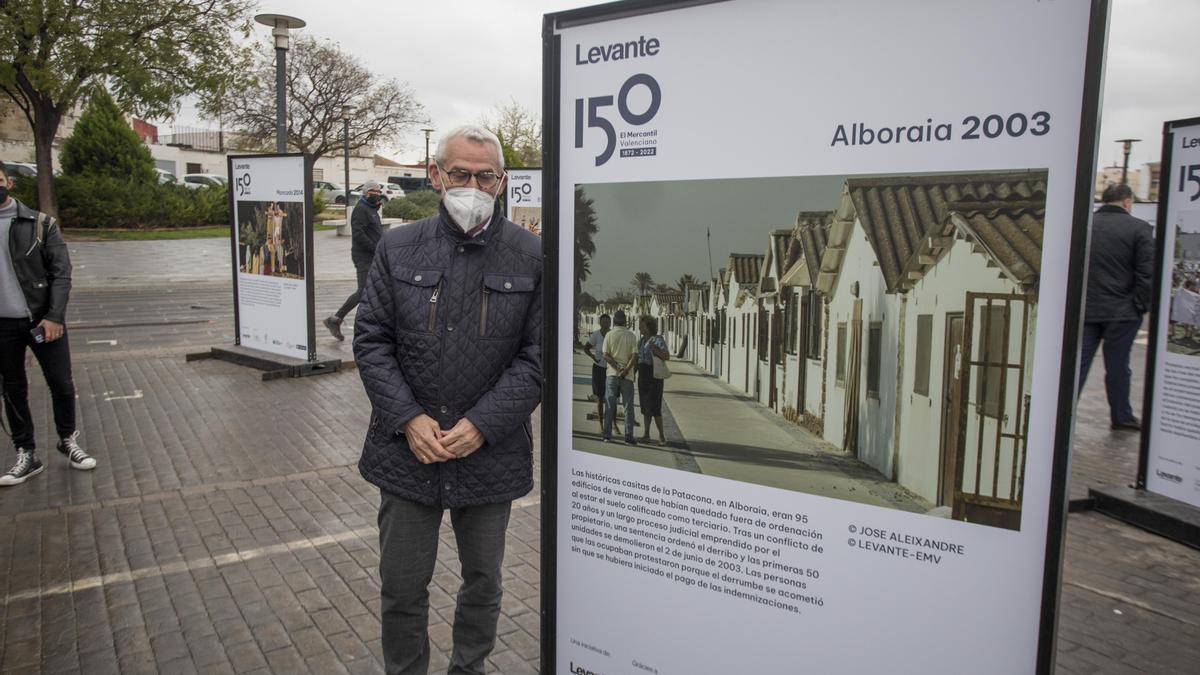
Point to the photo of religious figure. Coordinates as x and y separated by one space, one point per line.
529 217
271 238
864 338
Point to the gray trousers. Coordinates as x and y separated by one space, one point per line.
408 543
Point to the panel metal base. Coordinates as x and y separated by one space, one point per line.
273 366
1168 517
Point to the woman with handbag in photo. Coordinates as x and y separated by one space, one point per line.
652 370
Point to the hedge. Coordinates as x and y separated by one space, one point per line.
111 202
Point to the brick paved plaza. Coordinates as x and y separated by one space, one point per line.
226 529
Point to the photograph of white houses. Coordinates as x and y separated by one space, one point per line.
1183 327
867 338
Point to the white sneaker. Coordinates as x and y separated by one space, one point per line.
79 459
27 466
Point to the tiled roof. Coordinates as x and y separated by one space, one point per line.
812 234
1010 233
745 267
780 239
900 214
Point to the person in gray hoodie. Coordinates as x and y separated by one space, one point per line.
35 283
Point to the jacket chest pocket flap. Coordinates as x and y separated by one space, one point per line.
416 293
505 300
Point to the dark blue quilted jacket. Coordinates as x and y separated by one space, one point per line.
451 327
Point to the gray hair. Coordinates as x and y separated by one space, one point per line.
475 134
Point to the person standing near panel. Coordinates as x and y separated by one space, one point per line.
448 341
1120 283
35 283
595 349
366 229
620 353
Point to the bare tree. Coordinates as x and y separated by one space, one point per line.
520 133
321 78
147 53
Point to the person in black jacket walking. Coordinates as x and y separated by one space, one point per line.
366 229
448 344
35 282
1120 283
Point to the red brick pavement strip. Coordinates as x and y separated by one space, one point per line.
227 530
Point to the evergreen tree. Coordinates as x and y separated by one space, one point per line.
103 144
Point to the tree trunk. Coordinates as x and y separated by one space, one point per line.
45 125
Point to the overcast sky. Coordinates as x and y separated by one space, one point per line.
464 58
739 214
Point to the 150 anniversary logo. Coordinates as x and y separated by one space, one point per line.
637 102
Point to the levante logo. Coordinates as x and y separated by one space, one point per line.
580 670
1174 478
242 182
637 101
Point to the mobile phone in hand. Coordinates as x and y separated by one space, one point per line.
39 335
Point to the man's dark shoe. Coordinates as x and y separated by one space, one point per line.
630 440
27 466
1131 424
334 325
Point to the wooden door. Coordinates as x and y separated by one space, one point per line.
951 407
804 329
853 380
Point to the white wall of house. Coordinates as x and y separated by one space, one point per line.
940 293
876 416
788 376
742 359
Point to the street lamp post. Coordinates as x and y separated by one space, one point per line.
346 110
280 25
427 132
1127 144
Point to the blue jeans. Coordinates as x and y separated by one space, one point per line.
408 544
613 387
1117 337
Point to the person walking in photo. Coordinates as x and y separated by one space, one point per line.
448 345
366 229
595 349
650 388
35 283
1120 283
620 353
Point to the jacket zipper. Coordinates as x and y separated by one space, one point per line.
37 233
433 307
484 312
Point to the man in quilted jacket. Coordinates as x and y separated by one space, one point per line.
448 344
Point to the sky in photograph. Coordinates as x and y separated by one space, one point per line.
739 213
463 59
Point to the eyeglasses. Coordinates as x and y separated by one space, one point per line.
484 179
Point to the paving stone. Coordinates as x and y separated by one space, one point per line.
271 636
174 488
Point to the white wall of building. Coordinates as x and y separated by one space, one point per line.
876 417
942 292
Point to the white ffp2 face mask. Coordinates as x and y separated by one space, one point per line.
468 207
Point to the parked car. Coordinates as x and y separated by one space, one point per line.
16 169
389 190
199 180
411 183
165 176
334 193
